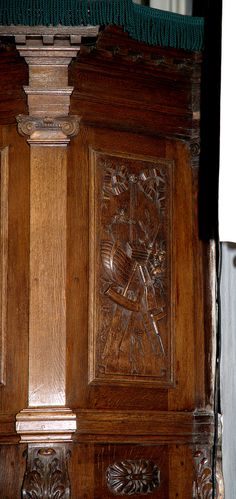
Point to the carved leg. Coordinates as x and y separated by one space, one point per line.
46 472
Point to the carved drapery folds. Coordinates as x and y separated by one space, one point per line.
46 475
133 477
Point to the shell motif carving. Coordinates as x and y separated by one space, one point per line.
46 474
133 477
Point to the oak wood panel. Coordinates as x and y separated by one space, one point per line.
153 94
80 394
188 345
14 75
14 394
12 467
122 84
4 190
183 395
81 471
181 471
146 426
47 319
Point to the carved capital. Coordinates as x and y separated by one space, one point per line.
133 477
46 473
48 130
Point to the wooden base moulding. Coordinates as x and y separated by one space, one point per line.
46 424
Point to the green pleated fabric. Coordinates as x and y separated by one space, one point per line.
145 24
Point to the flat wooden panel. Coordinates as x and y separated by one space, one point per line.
182 397
4 187
181 471
12 467
14 394
81 471
14 74
47 320
130 269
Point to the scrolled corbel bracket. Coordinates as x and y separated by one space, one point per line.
46 472
48 131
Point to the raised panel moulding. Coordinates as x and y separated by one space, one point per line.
4 182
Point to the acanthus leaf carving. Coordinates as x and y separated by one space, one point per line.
46 475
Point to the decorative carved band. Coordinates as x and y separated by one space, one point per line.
46 474
133 477
48 130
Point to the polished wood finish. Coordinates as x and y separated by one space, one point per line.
47 320
4 188
85 244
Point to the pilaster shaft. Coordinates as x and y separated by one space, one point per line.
48 129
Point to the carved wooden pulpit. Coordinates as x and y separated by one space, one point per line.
107 292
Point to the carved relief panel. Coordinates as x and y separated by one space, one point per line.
130 281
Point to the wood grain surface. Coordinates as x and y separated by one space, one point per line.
139 106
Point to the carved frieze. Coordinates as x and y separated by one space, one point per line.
133 477
132 217
46 474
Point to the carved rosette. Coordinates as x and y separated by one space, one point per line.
203 485
46 475
133 477
48 130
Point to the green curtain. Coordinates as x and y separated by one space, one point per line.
152 26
